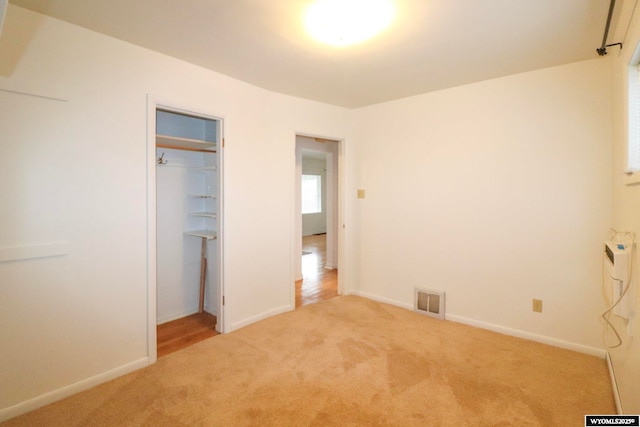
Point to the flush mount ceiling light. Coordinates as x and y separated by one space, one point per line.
346 22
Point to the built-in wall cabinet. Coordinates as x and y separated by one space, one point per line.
187 222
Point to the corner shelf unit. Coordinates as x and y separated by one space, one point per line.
205 169
211 215
208 234
205 234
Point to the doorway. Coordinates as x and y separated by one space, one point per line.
317 212
185 228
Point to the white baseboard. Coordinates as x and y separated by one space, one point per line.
261 316
382 299
614 385
592 351
211 310
567 345
187 313
176 316
61 393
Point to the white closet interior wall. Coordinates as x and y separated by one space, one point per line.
178 264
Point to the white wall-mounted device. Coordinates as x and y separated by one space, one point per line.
617 258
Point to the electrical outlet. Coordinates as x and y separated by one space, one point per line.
537 305
360 194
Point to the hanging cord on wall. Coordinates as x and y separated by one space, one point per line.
602 50
617 236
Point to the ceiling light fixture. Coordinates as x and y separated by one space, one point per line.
347 22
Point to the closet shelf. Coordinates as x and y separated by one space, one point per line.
205 234
204 214
204 169
202 196
166 141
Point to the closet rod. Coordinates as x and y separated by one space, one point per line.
602 50
175 147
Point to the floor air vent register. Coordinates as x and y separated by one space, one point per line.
429 302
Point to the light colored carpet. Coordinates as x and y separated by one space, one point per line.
348 361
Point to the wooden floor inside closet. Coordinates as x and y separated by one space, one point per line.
181 333
319 284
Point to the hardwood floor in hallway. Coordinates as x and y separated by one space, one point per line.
318 283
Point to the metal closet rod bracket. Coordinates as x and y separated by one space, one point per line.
602 50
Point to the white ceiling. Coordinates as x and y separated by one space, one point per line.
432 44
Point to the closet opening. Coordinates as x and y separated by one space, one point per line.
188 210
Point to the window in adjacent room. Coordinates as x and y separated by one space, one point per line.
311 194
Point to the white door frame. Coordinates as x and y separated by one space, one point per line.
335 228
152 105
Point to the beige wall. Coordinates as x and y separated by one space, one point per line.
497 193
